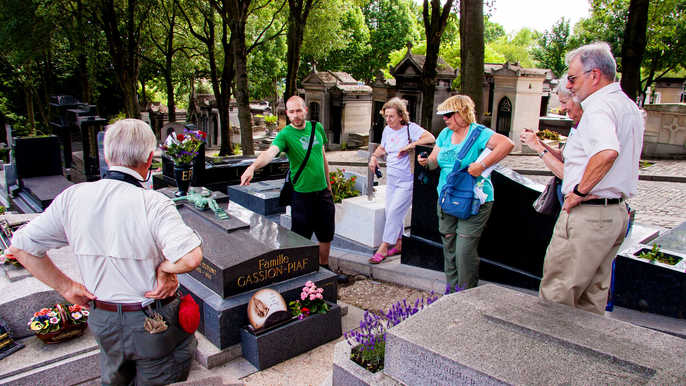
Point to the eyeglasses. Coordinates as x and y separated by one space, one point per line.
448 115
572 78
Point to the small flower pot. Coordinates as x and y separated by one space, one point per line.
183 173
292 339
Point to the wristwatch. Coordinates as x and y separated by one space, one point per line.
541 154
577 192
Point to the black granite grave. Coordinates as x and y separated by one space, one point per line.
261 197
241 255
514 227
653 287
217 175
39 172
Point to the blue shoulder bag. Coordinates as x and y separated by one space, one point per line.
457 196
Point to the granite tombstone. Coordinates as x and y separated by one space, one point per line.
242 254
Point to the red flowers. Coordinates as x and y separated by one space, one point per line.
202 134
180 137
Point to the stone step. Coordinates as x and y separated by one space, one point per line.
68 363
494 335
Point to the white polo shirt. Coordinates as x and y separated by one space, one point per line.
120 233
610 121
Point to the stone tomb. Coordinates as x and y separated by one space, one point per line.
654 286
241 255
261 197
494 335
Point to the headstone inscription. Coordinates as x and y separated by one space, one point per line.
494 335
514 195
241 254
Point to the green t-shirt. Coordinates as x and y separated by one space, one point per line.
294 143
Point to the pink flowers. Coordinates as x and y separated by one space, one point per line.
311 291
311 302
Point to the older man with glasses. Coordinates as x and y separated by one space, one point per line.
600 173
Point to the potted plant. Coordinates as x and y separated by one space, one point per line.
182 151
342 187
59 323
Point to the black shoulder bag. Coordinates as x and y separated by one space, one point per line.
286 196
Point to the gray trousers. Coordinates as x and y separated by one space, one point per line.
129 354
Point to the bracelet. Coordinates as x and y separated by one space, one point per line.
483 164
541 154
577 192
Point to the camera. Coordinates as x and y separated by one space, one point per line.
423 154
377 171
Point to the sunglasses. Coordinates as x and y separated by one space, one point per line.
448 115
572 78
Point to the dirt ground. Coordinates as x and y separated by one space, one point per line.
373 295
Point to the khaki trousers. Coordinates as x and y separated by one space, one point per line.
578 262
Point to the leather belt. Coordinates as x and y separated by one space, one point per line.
126 307
602 201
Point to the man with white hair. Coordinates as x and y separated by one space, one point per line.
600 173
129 244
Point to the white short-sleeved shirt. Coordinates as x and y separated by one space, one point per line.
120 233
394 140
611 121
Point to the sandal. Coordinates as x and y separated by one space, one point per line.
394 251
377 258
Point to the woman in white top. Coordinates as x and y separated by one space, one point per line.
399 137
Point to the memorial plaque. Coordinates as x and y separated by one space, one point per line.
267 308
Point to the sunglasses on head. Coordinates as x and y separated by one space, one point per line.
448 115
572 78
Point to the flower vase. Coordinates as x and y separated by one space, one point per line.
183 173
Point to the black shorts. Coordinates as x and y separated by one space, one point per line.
314 213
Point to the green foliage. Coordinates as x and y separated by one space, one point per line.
237 149
666 46
492 31
655 254
515 48
548 134
342 187
552 47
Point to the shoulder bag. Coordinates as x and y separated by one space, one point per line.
548 203
457 196
286 196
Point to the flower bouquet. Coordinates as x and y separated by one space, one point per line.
311 302
186 146
9 259
59 323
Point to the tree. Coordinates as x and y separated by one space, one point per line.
666 44
160 37
472 50
435 20
552 47
633 47
122 22
299 11
201 23
234 13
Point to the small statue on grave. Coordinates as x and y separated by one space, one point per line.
203 200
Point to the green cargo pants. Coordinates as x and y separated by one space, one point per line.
131 355
460 239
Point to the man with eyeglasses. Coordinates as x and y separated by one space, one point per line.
600 173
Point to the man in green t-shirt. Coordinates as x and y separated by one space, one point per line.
312 209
